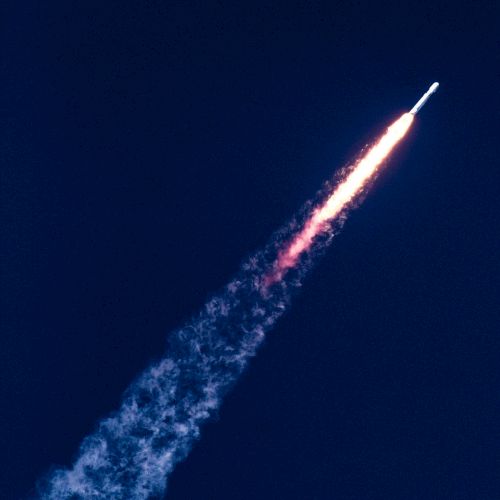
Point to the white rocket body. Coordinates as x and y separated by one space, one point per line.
424 98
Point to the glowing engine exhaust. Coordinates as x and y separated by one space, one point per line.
345 192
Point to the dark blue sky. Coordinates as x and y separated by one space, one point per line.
147 147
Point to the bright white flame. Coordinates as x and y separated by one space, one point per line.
344 193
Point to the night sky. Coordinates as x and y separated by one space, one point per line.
148 147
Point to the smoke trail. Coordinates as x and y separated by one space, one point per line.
132 452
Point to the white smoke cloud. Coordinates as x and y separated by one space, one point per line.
131 453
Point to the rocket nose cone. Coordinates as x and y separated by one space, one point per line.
434 87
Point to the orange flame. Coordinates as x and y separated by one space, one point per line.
344 193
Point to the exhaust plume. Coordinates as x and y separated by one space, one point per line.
345 192
132 452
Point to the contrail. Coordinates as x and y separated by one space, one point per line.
132 452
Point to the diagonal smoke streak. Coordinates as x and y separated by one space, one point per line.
132 452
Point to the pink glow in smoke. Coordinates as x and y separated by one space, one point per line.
345 192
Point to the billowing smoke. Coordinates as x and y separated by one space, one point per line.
132 452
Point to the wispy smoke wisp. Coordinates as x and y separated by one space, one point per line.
132 452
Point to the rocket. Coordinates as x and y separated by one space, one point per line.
424 98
